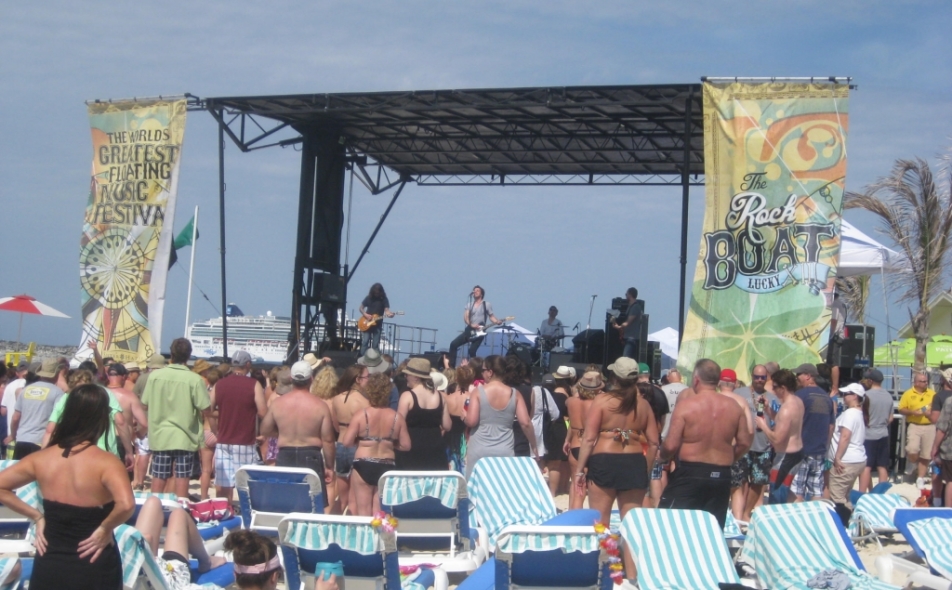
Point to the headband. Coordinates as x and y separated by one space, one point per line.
260 568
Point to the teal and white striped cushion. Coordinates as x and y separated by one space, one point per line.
509 490
676 549
398 490
934 536
141 495
787 544
520 542
731 527
30 493
132 550
6 567
358 537
877 510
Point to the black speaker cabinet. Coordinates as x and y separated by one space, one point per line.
522 351
653 354
342 358
328 288
857 347
559 359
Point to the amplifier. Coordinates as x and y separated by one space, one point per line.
857 347
328 288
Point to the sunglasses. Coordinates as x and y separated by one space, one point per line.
759 377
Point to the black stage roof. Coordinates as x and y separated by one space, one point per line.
546 135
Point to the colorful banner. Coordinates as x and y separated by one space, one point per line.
775 170
127 234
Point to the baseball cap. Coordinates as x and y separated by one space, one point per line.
49 368
284 381
301 371
643 369
23 366
624 368
854 388
117 369
240 358
156 361
874 375
729 375
807 369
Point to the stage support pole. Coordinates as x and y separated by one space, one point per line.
221 218
685 194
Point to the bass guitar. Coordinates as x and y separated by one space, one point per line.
363 324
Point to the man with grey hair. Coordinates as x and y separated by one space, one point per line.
708 433
302 424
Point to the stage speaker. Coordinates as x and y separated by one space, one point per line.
653 355
521 350
857 348
643 355
342 358
537 374
589 347
559 359
328 288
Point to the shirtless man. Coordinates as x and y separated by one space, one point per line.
726 387
133 412
708 433
784 437
302 424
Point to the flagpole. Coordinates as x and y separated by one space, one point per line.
191 269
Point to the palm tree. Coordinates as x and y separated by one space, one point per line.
917 214
855 293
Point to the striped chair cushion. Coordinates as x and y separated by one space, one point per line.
509 490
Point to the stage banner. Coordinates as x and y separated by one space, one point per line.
775 169
127 234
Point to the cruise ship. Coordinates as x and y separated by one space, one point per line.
265 337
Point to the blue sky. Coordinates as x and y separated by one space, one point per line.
530 247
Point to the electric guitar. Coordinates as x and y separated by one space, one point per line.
615 314
363 324
482 331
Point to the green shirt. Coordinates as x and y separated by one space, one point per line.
175 398
109 441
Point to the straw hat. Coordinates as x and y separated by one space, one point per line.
440 381
563 373
592 381
201 365
373 361
418 367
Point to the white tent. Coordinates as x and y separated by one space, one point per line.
862 255
668 338
497 340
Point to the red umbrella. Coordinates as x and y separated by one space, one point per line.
26 304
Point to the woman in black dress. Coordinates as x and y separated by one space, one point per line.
427 418
86 494
556 461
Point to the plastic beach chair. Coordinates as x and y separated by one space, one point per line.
433 510
139 566
677 549
550 557
788 544
268 494
873 516
929 533
507 491
368 553
213 533
880 488
14 523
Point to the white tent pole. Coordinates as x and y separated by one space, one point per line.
191 269
892 352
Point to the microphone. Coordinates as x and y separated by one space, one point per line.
577 325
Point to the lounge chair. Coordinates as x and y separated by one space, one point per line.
550 557
507 491
137 560
873 516
213 533
268 494
433 510
677 549
368 553
788 544
929 533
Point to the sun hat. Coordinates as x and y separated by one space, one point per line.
418 367
200 366
240 358
572 372
133 366
563 372
312 360
946 374
624 368
592 381
156 361
48 368
301 371
373 361
284 381
729 376
440 382
854 388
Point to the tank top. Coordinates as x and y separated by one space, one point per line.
235 397
493 434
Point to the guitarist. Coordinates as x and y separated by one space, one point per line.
630 328
477 312
375 304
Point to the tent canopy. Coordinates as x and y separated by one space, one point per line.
497 341
862 255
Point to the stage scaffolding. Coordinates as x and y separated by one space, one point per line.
649 135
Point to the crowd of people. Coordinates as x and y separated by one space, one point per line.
89 435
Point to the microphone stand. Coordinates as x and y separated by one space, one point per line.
588 326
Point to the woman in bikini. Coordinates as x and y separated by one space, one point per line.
456 397
349 401
377 432
617 465
590 385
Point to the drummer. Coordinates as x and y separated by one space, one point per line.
551 333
